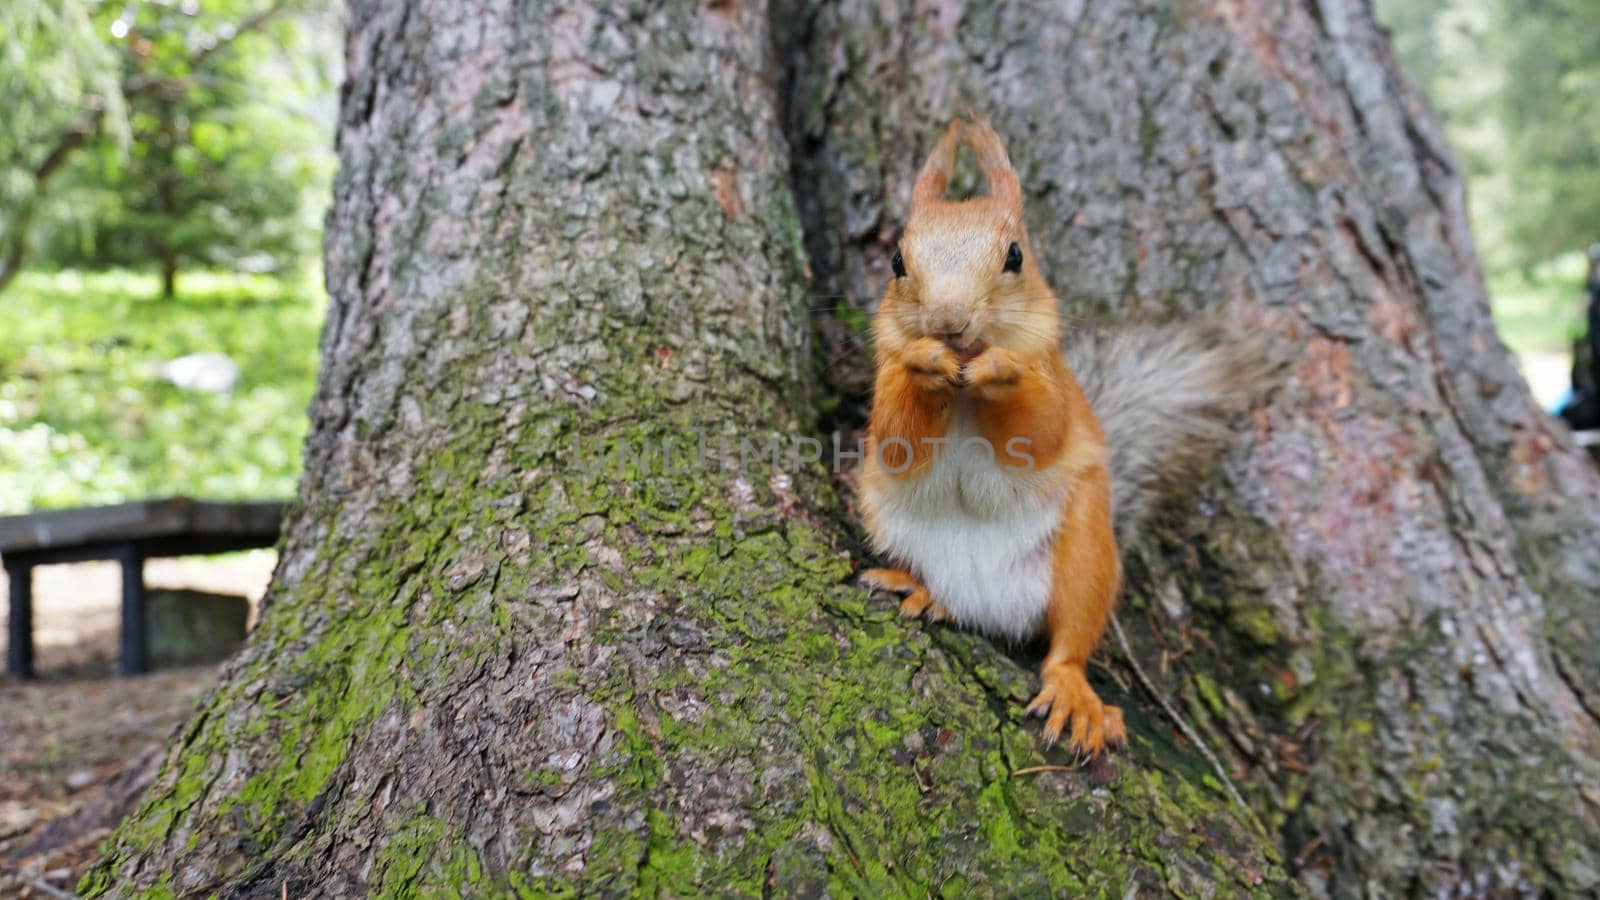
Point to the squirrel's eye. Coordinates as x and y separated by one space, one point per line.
1014 258
898 264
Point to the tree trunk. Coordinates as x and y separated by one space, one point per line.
169 274
167 206
11 260
490 664
14 233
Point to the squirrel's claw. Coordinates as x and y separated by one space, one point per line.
993 368
917 602
921 604
1065 693
932 364
1039 706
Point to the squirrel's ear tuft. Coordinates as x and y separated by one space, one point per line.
935 177
991 153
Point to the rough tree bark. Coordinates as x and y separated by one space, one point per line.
486 667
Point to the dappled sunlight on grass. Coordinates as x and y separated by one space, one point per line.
84 418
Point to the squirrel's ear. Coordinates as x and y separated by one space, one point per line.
991 154
935 177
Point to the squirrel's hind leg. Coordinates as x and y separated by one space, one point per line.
917 602
1084 589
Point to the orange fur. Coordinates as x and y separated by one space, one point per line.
917 385
959 330
917 601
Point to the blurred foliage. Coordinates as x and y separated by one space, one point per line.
1540 306
187 131
85 419
62 86
54 68
1517 85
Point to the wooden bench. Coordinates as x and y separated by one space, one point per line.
129 533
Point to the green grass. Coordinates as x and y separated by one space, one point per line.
84 418
1540 307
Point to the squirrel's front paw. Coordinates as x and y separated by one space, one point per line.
1064 693
995 368
931 364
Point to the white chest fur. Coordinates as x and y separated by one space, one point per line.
975 531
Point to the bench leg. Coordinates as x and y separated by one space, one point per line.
133 660
19 625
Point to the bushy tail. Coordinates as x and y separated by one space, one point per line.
1164 396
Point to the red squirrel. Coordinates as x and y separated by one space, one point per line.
988 481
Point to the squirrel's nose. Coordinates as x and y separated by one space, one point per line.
951 327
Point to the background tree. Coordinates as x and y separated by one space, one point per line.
1551 109
192 135
1518 86
483 663
60 80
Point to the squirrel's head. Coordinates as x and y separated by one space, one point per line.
963 272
